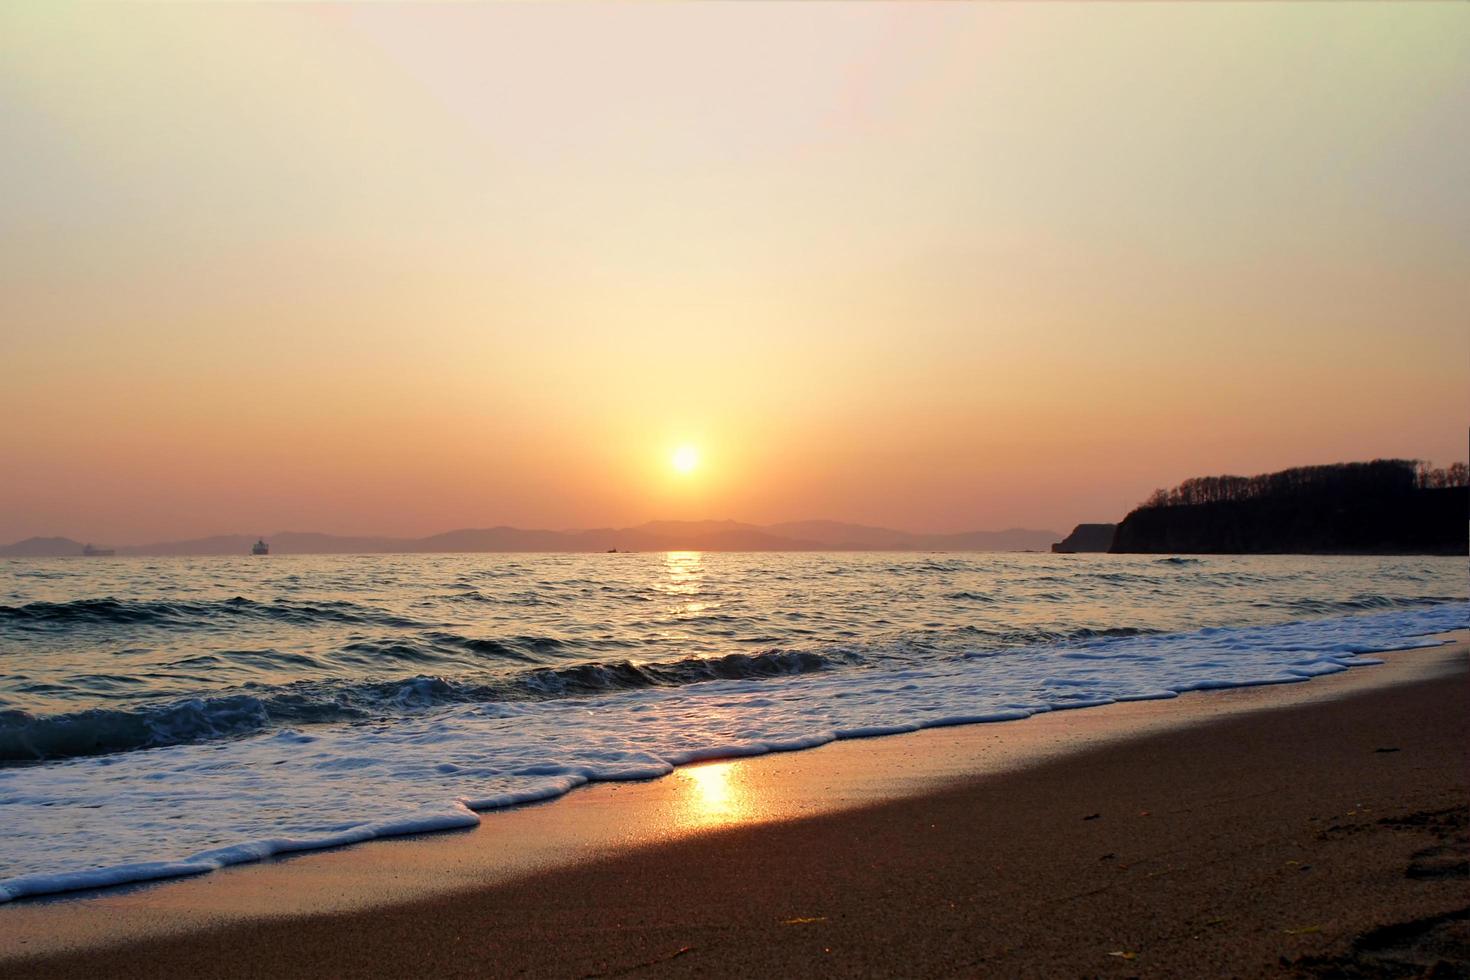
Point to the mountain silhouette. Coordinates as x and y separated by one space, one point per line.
652 536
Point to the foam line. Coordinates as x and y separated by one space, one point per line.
138 816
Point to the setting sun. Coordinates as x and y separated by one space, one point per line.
685 459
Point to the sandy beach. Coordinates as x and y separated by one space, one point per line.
1309 829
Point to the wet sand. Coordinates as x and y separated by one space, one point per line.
1316 828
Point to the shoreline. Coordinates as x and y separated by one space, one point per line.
624 737
612 822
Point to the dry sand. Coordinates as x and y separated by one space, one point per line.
1317 828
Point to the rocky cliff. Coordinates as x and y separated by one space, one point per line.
1086 537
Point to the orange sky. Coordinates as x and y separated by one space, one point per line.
386 269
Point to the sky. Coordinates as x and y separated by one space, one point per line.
395 269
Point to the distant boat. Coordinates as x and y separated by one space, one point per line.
90 552
260 548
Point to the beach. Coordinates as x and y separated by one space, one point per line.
583 490
1312 829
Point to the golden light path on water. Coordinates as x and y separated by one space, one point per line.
685 571
709 794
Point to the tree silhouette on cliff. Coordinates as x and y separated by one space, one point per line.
1384 506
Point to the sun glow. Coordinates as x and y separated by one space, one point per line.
685 459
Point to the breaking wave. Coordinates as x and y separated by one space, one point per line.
191 809
108 611
161 718
27 737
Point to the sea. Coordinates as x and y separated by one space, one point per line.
170 716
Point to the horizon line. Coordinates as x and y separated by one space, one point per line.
778 531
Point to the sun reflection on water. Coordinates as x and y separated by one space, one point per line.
686 572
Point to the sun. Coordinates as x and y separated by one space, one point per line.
685 459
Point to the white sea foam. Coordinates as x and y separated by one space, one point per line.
188 809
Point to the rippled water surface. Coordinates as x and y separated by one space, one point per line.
486 678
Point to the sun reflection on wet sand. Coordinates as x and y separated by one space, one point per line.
712 794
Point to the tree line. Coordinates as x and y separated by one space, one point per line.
1429 478
1381 477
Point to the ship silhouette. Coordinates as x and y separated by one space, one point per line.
260 548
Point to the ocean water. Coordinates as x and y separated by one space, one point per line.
170 716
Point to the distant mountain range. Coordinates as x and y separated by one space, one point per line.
654 536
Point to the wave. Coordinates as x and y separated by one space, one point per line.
101 822
1364 602
30 738
1008 641
108 611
